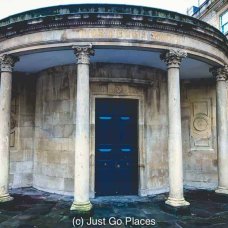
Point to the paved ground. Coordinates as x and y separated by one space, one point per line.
32 208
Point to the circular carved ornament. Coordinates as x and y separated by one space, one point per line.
200 123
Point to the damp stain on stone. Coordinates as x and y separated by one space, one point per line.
34 208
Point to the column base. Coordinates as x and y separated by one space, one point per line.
81 207
177 202
176 207
5 198
222 190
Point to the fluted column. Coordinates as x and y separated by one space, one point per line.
221 74
82 135
173 60
7 62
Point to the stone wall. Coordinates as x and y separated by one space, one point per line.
55 122
54 130
52 164
156 134
199 133
22 131
212 17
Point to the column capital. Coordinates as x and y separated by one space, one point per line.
83 53
7 62
220 73
173 57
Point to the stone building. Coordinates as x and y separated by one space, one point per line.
112 100
214 12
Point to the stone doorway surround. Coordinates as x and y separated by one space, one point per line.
141 145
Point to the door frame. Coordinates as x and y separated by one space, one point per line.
141 151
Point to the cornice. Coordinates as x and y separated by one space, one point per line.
110 15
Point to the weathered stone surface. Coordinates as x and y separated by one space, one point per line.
36 208
53 120
22 151
199 147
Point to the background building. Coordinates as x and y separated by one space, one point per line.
214 12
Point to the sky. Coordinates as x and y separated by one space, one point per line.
10 7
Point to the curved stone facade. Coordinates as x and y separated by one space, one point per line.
55 122
172 65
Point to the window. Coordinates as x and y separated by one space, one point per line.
224 22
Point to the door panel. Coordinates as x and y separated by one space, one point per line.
116 171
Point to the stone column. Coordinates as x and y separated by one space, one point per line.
173 60
7 62
81 202
221 74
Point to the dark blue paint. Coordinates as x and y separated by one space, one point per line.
105 150
105 118
126 150
116 171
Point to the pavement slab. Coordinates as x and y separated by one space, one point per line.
32 208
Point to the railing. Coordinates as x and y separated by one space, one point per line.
202 8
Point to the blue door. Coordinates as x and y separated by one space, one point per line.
116 133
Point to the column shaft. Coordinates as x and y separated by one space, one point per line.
7 63
176 198
175 139
82 135
81 202
221 74
5 103
222 134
